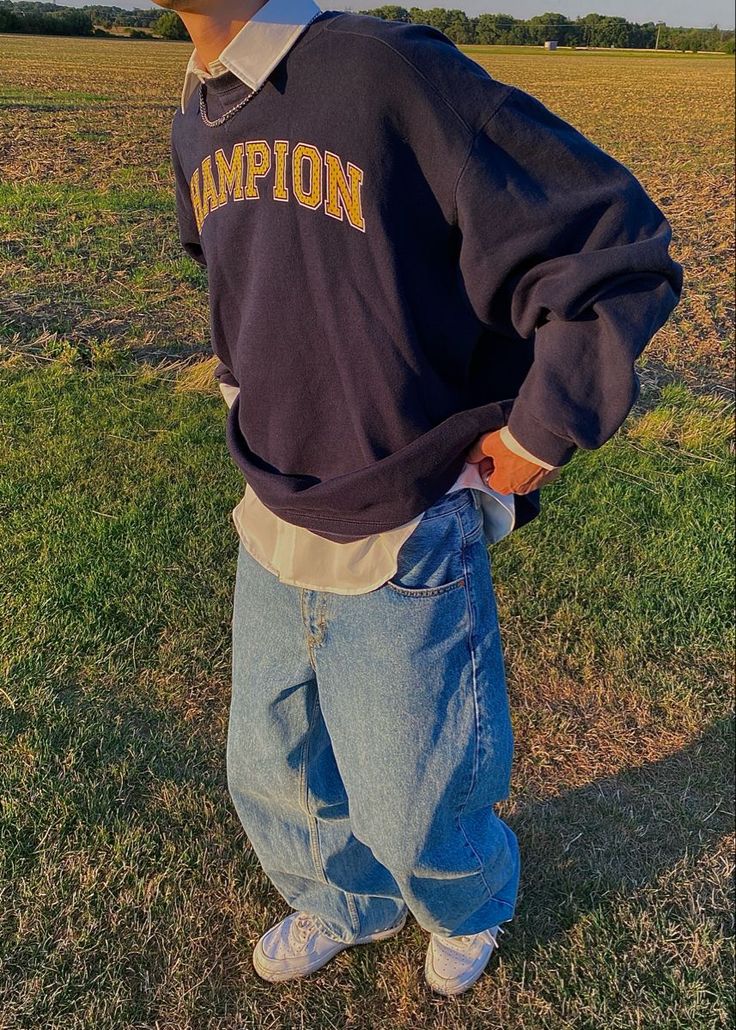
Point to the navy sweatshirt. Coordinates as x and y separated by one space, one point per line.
404 253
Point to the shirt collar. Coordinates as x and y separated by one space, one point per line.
259 46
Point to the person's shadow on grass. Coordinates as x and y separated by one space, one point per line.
618 835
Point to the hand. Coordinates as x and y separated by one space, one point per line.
504 470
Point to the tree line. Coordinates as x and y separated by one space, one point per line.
48 19
593 30
44 19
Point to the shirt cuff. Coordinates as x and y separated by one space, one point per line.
515 446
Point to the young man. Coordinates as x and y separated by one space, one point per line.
427 292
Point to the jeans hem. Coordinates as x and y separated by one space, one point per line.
326 929
499 917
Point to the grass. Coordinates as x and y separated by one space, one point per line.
129 896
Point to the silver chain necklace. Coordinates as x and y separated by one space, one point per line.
243 102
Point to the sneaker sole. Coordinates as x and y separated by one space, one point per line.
276 976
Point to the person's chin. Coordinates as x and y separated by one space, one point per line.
173 5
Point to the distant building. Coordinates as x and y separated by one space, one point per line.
550 44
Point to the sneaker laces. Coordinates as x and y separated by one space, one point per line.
302 928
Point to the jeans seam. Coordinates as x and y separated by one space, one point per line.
476 713
304 796
353 910
308 636
313 827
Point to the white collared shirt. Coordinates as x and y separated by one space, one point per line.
257 48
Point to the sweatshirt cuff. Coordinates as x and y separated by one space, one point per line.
229 392
545 448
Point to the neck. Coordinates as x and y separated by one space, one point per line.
212 31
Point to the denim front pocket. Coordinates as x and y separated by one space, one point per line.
430 561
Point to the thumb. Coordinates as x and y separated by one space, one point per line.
476 453
486 469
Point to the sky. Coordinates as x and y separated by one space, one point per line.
695 13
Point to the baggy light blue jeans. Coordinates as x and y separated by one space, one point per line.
370 737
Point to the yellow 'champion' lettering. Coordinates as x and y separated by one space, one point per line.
317 180
209 190
230 174
259 163
281 147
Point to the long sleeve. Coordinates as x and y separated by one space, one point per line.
561 244
188 234
190 241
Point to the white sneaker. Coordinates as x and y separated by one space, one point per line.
296 947
454 963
